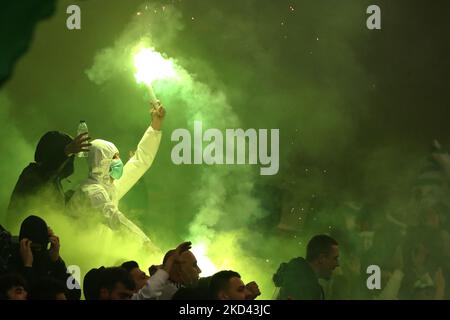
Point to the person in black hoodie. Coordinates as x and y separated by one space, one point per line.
31 257
299 278
40 182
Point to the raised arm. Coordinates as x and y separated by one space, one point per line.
146 151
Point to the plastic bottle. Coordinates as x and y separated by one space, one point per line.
82 128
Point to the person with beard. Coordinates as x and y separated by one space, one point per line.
32 259
39 185
178 270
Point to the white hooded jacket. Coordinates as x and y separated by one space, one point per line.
103 193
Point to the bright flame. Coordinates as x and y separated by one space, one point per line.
206 265
151 65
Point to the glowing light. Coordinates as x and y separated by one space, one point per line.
207 266
151 65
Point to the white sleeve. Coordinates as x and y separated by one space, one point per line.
154 286
112 215
135 168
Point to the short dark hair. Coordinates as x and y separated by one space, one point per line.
220 281
107 278
152 270
110 277
130 265
91 284
319 244
168 254
8 281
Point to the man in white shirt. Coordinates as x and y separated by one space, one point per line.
179 269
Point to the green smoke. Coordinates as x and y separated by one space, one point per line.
221 197
342 97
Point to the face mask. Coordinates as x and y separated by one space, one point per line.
116 169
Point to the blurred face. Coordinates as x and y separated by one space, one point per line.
328 262
188 270
120 292
139 278
235 290
17 293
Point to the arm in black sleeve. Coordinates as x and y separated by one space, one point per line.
58 270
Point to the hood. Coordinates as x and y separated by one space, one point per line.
35 229
49 155
100 156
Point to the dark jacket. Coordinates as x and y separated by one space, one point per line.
42 267
199 291
41 180
297 281
35 229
